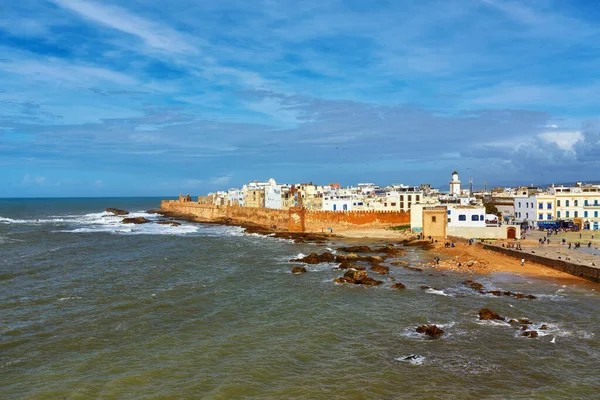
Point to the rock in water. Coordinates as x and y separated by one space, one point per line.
487 314
356 249
358 278
136 220
430 330
398 285
314 258
530 334
172 223
116 211
298 270
380 269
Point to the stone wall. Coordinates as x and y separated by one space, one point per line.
584 271
294 220
487 232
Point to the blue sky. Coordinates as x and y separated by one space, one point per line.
151 97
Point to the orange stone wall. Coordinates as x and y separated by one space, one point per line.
294 220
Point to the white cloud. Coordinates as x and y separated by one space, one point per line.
38 180
565 140
153 34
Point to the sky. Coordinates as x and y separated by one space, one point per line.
156 98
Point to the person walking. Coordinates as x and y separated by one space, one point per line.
522 262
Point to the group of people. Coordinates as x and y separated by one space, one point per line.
516 246
544 240
448 244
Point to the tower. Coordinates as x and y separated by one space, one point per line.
455 184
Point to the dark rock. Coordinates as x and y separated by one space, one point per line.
543 327
172 223
495 292
474 285
524 321
358 278
380 269
398 285
487 314
530 334
399 262
153 212
356 249
298 270
314 258
524 296
116 211
430 330
135 220
513 321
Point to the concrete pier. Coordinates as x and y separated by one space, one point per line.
584 269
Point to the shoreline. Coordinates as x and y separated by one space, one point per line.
473 259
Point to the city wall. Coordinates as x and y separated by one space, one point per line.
293 220
584 271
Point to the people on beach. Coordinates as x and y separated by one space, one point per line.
522 262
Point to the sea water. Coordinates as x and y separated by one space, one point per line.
93 308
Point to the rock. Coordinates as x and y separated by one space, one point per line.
172 223
524 321
314 258
398 285
298 270
389 250
474 285
116 211
391 278
430 330
513 321
495 292
543 327
487 314
135 220
399 262
153 212
524 296
358 278
380 269
356 249
530 334
425 287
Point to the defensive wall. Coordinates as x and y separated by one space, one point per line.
294 219
584 271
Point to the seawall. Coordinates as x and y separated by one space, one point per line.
293 220
589 272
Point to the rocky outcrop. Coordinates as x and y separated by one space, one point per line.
298 270
348 265
172 223
356 249
380 269
116 211
398 285
430 330
399 262
530 334
478 287
135 220
314 258
358 278
487 314
154 211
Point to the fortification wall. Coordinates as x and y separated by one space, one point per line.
293 220
584 271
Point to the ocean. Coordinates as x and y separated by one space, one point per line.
91 308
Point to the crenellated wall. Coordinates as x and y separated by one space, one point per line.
294 220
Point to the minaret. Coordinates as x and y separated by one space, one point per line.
455 184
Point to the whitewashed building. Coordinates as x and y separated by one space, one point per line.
273 195
338 202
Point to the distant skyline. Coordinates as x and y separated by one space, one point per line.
131 98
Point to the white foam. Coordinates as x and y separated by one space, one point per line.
413 359
438 292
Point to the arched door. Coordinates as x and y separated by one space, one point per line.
511 233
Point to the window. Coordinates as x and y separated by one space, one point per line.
595 214
401 204
345 207
417 198
540 206
385 204
566 203
585 203
448 212
531 205
549 217
526 215
567 214
481 218
575 202
474 217
334 207
541 216
558 214
585 214
519 204
449 220
433 219
549 206
393 204
557 203
576 214
462 217
595 202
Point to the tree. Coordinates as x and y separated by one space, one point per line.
490 208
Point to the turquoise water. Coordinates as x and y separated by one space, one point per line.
91 308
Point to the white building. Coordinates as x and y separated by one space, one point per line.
455 184
235 197
273 194
466 216
338 202
525 210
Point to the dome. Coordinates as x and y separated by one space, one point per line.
455 173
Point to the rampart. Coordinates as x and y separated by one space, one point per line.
294 219
584 271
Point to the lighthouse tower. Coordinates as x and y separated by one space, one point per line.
455 184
